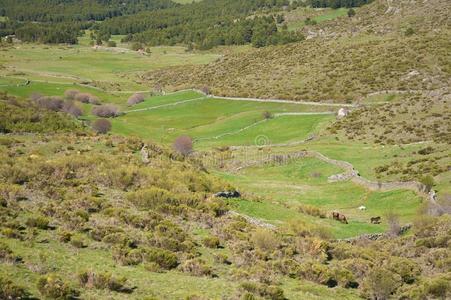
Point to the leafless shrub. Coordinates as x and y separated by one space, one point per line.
35 96
105 111
71 94
94 100
183 144
87 98
205 90
83 97
158 89
71 108
101 126
135 99
54 103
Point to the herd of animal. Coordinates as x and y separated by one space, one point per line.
342 218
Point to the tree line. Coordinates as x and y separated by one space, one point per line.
76 10
338 3
201 25
206 24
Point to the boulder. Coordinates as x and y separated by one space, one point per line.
342 112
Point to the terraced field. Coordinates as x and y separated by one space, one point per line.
218 122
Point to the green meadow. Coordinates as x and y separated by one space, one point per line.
115 67
282 189
217 122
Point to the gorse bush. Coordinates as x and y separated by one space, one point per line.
38 222
52 286
211 242
265 240
9 290
164 258
6 254
151 198
95 280
196 267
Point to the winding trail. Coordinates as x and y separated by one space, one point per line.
163 105
301 102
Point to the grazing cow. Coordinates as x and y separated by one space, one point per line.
375 220
228 194
339 217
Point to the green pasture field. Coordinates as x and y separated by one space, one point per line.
304 182
117 66
217 122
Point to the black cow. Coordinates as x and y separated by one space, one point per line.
228 194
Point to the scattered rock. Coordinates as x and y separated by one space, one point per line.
145 155
342 112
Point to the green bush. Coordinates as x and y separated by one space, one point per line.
196 267
10 291
151 198
266 291
102 281
77 242
381 283
439 287
64 236
128 257
211 242
52 286
38 222
164 258
265 240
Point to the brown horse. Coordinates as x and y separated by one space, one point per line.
339 217
375 220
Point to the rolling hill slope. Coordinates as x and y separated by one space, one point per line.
383 47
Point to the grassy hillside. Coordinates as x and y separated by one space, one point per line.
83 216
100 199
343 61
